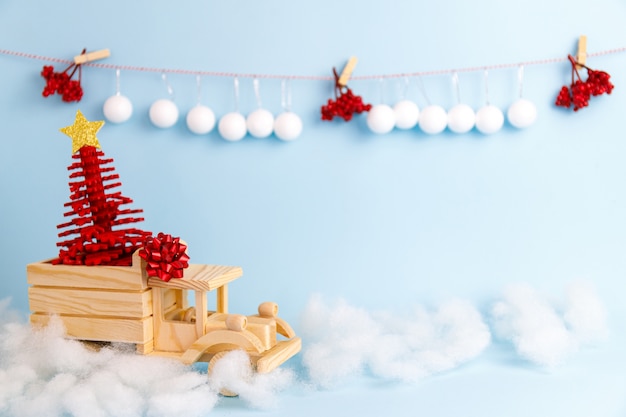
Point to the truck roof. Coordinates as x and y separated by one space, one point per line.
200 277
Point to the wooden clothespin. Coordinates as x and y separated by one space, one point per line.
347 71
91 56
581 55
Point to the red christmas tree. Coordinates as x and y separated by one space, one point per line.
93 236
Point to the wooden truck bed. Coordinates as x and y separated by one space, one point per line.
122 304
110 303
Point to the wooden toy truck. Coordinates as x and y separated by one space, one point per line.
123 304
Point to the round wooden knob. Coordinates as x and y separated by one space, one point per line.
236 322
268 309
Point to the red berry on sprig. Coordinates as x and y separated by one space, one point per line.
579 92
599 81
62 83
564 99
345 105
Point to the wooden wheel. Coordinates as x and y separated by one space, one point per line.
214 360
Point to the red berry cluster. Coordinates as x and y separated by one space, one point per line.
579 92
62 83
345 105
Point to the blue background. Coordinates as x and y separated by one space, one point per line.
384 221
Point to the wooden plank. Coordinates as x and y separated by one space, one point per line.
102 329
200 277
174 336
278 355
222 299
171 335
145 348
201 308
264 329
172 299
70 301
163 354
80 276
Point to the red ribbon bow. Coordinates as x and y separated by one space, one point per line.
165 256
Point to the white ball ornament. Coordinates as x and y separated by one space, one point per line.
489 119
381 119
407 114
232 126
433 119
260 123
461 118
287 126
522 113
200 120
117 109
163 113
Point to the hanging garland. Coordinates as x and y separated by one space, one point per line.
234 126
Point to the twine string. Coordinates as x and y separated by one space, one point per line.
417 74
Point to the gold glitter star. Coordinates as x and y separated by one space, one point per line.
83 132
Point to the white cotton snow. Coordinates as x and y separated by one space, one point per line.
585 314
342 341
546 332
234 373
44 374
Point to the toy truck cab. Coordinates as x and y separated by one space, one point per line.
198 334
123 304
